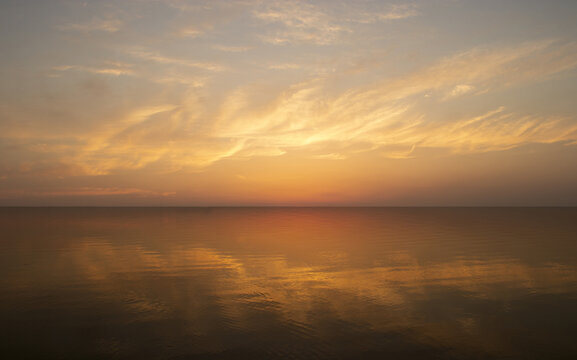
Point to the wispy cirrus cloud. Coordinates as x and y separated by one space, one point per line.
386 13
232 49
304 22
149 55
398 11
190 32
383 116
297 22
109 69
309 117
285 66
96 24
387 113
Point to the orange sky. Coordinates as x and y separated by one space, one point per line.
149 102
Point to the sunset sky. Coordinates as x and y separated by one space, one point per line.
256 102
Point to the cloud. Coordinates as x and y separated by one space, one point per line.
190 32
387 114
330 156
97 24
493 131
286 66
391 12
88 192
297 22
116 69
166 60
232 49
399 11
459 90
106 191
312 118
297 122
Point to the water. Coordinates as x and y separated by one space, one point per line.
288 283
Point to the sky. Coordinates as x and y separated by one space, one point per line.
304 103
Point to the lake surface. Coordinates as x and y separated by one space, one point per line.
288 283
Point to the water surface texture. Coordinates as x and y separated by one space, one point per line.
288 283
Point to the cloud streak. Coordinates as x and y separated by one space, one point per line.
167 60
95 25
391 13
297 22
383 117
105 70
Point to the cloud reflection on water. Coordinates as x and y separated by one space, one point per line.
304 281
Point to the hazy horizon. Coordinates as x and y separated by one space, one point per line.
333 206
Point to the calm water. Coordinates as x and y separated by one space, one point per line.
288 283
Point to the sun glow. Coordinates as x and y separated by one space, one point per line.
286 102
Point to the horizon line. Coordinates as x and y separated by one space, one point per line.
281 206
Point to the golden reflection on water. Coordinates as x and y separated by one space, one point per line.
434 276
